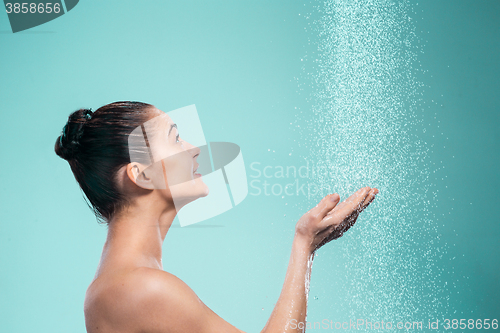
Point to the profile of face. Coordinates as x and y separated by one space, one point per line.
172 167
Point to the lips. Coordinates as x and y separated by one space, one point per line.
196 175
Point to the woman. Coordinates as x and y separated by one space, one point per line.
131 292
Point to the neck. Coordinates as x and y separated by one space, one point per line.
136 235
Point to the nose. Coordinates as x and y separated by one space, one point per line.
195 151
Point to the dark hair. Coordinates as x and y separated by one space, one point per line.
96 146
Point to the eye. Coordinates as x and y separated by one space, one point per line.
177 138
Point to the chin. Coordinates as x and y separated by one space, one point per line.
201 187
182 194
200 193
206 192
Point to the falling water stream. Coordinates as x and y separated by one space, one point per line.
364 131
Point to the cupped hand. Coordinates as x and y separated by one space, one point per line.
329 220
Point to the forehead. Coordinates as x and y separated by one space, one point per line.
159 120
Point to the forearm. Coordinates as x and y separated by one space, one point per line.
291 307
321 224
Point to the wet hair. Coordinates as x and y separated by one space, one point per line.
96 146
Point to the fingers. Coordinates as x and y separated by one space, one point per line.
358 197
340 220
350 220
325 205
354 202
342 217
369 198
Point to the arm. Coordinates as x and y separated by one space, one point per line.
163 303
290 309
320 225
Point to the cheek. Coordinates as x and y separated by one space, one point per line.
156 174
178 170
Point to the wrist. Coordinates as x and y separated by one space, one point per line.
303 244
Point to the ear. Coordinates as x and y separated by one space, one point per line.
135 172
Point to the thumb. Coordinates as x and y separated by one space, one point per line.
325 205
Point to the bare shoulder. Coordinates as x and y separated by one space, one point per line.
159 294
148 300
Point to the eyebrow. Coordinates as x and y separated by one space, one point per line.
170 130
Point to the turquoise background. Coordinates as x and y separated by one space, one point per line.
239 63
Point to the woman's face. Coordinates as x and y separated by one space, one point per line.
174 161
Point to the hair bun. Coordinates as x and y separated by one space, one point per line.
68 143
